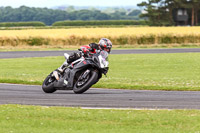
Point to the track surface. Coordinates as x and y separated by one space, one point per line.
100 98
20 54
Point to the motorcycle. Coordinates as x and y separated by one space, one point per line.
80 75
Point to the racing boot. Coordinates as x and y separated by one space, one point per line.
65 64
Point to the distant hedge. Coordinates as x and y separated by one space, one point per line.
21 24
98 22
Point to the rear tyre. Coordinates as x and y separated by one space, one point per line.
81 86
48 84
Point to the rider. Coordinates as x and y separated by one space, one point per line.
104 44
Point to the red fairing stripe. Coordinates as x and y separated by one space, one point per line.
84 62
86 47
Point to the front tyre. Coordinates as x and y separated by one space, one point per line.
48 84
83 85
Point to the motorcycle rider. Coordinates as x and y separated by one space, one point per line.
104 44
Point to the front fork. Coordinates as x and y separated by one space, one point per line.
55 74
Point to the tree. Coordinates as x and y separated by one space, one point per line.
195 5
49 16
70 9
156 12
134 13
160 12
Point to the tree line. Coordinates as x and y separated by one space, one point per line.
49 16
162 12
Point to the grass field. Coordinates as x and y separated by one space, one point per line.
35 119
134 71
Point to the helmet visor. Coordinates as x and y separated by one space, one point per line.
107 49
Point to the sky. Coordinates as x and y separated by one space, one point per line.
53 3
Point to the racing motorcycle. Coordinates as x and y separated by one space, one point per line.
80 75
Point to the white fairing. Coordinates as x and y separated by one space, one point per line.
103 59
79 60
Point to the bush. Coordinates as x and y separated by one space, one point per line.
96 23
74 40
21 24
37 41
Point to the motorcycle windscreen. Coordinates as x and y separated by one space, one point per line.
104 55
103 59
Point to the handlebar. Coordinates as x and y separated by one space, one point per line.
87 53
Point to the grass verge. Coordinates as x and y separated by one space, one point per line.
116 47
36 119
133 71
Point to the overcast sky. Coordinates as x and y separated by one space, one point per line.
52 3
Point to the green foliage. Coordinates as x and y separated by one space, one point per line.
21 24
161 12
49 16
149 39
88 15
134 13
173 39
37 41
23 13
103 22
132 40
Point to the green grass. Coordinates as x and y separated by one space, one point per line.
154 71
134 71
36 119
34 49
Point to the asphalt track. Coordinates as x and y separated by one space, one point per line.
99 98
20 54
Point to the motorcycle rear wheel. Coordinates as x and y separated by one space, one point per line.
79 89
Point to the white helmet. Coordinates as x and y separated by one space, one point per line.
105 43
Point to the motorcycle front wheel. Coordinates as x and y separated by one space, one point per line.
48 84
83 85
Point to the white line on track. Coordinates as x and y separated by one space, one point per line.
124 108
18 84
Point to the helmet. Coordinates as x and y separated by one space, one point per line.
105 44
